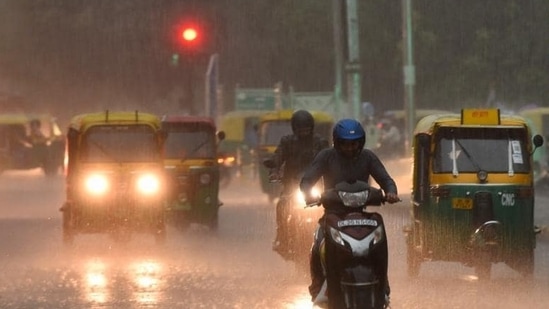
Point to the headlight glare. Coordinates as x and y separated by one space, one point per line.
148 184
97 184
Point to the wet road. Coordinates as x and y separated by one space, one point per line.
233 268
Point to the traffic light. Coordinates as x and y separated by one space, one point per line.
191 38
189 35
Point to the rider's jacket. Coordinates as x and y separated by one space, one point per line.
294 155
335 168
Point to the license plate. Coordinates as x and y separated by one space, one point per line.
462 203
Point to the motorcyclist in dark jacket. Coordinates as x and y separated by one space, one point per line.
347 160
293 154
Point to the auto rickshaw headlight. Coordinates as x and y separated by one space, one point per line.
97 184
148 184
205 179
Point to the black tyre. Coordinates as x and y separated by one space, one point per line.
68 232
483 265
214 223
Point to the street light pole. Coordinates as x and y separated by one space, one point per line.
409 72
338 51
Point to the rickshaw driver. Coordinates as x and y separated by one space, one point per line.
347 159
293 154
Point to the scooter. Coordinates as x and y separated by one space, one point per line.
300 221
354 249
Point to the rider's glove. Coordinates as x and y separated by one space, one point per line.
392 198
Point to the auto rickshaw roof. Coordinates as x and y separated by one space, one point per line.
83 121
428 123
286 114
233 123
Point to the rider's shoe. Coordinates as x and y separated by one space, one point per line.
387 302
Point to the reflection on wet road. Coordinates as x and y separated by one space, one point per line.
233 268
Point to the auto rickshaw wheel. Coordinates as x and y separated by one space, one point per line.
482 265
68 233
214 222
524 263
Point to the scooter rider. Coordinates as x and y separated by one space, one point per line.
347 160
292 155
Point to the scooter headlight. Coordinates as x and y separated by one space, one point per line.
354 199
148 184
300 197
97 184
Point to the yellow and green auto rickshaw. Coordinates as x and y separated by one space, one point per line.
190 159
473 194
29 141
274 125
115 176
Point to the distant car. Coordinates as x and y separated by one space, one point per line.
30 141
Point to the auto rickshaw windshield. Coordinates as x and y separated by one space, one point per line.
190 143
469 150
120 143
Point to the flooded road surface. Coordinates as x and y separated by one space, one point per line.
231 268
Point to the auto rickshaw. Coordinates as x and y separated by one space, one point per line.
190 160
274 125
473 193
115 176
240 141
29 141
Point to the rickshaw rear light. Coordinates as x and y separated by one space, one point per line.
440 192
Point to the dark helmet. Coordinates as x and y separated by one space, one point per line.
303 123
349 130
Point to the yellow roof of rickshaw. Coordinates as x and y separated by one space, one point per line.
286 114
84 121
233 123
428 123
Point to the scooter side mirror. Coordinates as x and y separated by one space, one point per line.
538 140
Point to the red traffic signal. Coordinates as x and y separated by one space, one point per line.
189 34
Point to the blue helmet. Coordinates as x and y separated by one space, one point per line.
350 130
